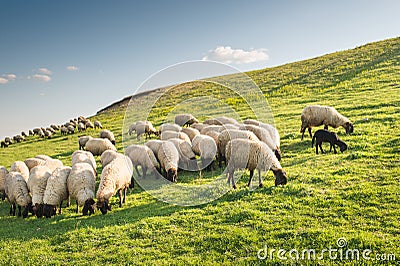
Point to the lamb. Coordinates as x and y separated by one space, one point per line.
115 177
228 135
20 167
107 134
84 157
191 132
37 185
142 155
185 119
83 140
264 136
168 156
56 191
17 193
166 135
154 145
187 158
98 146
249 154
170 127
317 115
205 147
81 184
3 174
97 124
323 135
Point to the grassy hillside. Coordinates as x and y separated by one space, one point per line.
352 195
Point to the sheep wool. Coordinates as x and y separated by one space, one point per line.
97 146
56 188
165 135
198 126
154 145
83 140
191 132
185 119
170 127
84 157
17 192
168 156
81 183
20 167
216 128
228 135
187 158
142 155
107 134
204 146
37 183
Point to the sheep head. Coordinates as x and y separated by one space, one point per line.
28 208
104 206
349 127
49 210
38 210
280 177
89 207
171 175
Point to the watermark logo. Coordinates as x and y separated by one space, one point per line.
339 252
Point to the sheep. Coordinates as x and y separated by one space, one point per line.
206 148
250 154
191 132
71 129
43 160
4 144
81 127
170 127
221 120
3 173
23 134
317 115
84 157
273 132
228 135
37 185
64 130
55 127
17 193
18 138
97 124
154 145
165 135
30 132
81 184
115 177
56 191
185 119
51 130
214 135
264 136
143 127
142 155
41 134
168 156
83 140
323 135
198 126
36 130
20 167
89 124
48 134
187 158
216 128
107 134
97 146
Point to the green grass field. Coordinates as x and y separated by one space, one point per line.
352 195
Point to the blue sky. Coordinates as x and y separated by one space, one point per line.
61 59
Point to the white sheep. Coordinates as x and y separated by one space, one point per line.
81 184
56 191
17 193
249 154
20 167
187 158
107 134
154 145
97 124
37 185
84 157
216 128
221 120
214 135
83 140
170 127
191 132
115 177
89 124
71 129
317 115
97 146
81 127
228 135
273 132
142 155
166 135
198 126
185 119
168 156
3 173
206 148
142 127
43 160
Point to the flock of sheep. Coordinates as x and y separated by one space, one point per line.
41 184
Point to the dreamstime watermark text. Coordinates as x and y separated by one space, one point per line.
338 252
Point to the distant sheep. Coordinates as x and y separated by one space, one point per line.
170 127
71 129
142 127
17 193
97 146
221 120
144 157
20 167
185 119
107 134
3 174
97 124
168 156
249 154
82 141
198 126
89 124
216 128
43 160
317 115
322 135
37 185
81 127
4 144
64 130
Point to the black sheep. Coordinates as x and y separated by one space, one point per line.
323 135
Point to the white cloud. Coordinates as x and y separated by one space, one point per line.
40 77
72 68
45 71
3 80
226 54
10 76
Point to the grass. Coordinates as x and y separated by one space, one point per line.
354 195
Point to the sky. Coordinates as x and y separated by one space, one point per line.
62 59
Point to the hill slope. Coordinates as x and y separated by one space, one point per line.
352 195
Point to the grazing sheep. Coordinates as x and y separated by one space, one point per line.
3 173
30 132
81 127
273 132
214 135
23 134
154 145
97 124
166 135
89 124
43 160
4 144
81 184
64 130
17 193
48 134
228 135
37 185
168 156
97 146
216 128
323 135
115 177
51 130
221 120
56 191
317 115
84 157
185 119
143 156
107 134
18 138
83 140
143 127
55 127
170 127
187 158
71 129
41 134
191 132
36 130
21 168
249 154
198 126
205 147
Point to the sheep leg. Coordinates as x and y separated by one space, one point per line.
12 209
77 207
144 169
302 133
260 184
309 132
19 211
251 177
124 200
232 180
316 148
69 201
320 146
334 149
137 170
59 211
120 197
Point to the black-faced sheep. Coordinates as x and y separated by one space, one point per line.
97 146
107 134
323 135
168 156
249 154
317 115
83 140
97 124
17 193
89 124
4 144
144 157
37 185
185 119
56 191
